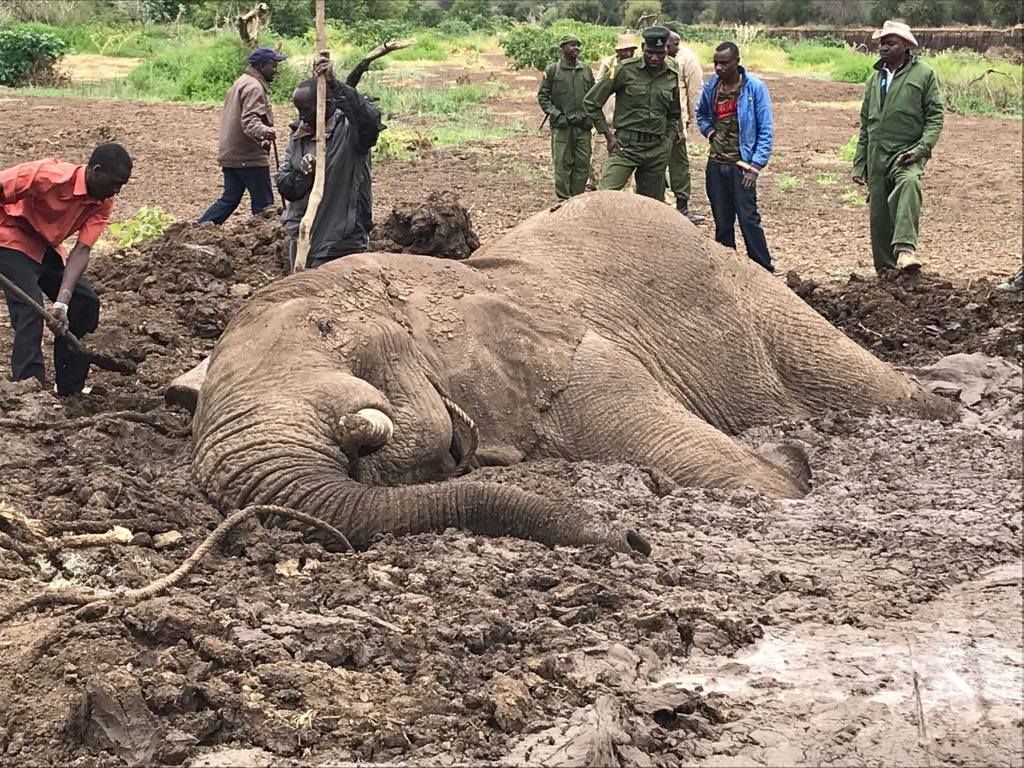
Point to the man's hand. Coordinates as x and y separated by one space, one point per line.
909 158
860 180
308 163
613 144
60 314
559 121
322 66
681 136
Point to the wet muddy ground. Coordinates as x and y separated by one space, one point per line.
876 621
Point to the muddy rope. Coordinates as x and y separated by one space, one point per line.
474 432
91 599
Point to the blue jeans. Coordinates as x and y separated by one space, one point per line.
730 200
236 182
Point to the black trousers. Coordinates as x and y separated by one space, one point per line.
729 201
236 182
83 317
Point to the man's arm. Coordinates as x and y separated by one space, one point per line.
675 113
292 183
933 108
362 115
765 128
693 76
78 259
254 108
593 102
544 98
705 120
860 157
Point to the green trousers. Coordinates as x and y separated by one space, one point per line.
679 171
648 161
894 200
570 158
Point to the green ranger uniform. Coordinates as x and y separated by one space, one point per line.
646 120
908 117
561 93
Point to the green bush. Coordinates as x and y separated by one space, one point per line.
530 46
452 27
371 33
29 56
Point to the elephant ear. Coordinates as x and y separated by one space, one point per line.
792 459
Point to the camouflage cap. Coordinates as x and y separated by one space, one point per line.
566 39
656 38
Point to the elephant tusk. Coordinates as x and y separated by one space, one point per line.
474 433
366 427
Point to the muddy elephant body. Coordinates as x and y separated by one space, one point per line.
606 329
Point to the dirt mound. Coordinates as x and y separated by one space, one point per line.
918 319
438 227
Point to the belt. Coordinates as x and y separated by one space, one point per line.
639 136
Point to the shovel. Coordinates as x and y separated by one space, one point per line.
106 362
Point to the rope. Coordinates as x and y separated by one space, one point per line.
89 599
474 432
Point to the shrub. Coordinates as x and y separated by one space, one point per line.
849 150
146 223
536 47
452 27
291 17
29 56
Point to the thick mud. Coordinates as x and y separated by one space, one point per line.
877 620
438 226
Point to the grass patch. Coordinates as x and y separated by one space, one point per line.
787 181
853 197
825 179
849 150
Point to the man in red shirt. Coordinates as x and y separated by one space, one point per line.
42 203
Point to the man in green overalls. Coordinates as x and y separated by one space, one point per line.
900 121
562 88
647 117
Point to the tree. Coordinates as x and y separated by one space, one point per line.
685 11
1006 12
743 11
637 13
348 11
882 10
467 9
388 9
924 13
594 11
291 18
849 13
796 12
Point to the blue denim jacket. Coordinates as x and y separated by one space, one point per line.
753 112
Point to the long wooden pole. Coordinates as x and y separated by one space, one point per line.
316 194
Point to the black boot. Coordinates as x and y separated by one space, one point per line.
682 205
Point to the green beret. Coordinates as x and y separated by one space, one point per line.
656 38
566 39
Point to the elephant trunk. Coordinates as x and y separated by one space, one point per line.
260 460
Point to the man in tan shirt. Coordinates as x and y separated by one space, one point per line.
691 81
246 135
625 48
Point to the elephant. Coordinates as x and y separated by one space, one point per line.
606 328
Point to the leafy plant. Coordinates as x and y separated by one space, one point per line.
849 150
146 223
529 46
29 56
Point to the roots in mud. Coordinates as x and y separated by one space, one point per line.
438 227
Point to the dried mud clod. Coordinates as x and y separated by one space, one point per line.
919 318
438 227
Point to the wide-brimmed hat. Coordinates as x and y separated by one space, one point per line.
622 42
897 28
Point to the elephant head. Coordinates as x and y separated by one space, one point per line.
316 400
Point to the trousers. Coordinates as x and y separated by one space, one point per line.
679 171
894 209
570 159
646 161
730 201
236 182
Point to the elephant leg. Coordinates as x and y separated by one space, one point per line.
613 409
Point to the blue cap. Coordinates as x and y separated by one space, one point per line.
261 55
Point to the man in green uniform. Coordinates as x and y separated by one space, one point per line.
900 121
647 115
691 83
562 88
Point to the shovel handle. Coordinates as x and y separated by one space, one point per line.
51 321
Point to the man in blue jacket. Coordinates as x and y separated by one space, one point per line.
735 114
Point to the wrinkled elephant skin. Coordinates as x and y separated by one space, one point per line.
607 329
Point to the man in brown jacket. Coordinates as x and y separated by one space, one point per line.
246 135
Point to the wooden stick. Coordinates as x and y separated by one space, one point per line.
316 194
381 50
